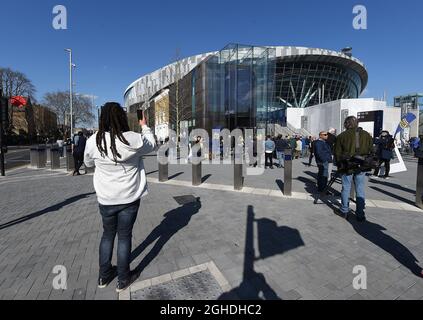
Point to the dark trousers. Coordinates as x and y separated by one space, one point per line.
322 176
310 159
118 219
79 160
268 159
387 167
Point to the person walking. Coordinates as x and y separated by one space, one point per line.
298 147
120 183
304 146
323 158
346 148
78 152
385 146
331 141
269 147
60 144
312 150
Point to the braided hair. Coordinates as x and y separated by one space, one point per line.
113 119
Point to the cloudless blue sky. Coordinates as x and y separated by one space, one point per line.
115 42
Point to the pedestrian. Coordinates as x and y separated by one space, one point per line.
304 147
331 141
60 144
347 149
78 152
281 145
120 183
312 150
323 158
298 148
293 143
385 146
269 147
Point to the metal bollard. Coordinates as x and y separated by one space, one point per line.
48 153
70 163
419 184
54 157
287 181
196 169
238 174
196 174
163 168
38 156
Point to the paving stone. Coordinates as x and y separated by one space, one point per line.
303 252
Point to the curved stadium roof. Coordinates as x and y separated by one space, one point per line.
148 85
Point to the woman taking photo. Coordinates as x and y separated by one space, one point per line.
120 183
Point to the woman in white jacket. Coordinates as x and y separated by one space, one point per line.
120 183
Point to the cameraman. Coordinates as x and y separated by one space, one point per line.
385 145
346 151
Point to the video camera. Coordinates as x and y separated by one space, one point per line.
357 163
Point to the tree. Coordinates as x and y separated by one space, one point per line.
180 109
15 83
83 113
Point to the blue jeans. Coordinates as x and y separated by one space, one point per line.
359 181
281 157
118 219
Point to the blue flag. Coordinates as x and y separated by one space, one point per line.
405 122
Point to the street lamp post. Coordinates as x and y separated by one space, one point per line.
71 65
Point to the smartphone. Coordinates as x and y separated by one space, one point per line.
140 115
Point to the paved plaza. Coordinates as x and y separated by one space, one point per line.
253 244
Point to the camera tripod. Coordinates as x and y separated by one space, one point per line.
329 185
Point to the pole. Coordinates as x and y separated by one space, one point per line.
287 177
70 93
2 137
419 184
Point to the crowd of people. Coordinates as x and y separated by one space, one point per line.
353 152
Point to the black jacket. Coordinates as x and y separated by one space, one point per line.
281 145
80 147
331 140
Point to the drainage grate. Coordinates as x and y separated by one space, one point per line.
198 286
182 200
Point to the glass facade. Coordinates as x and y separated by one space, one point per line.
304 84
239 85
244 86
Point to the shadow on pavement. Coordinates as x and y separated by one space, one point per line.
273 240
393 185
175 220
175 175
53 208
373 233
280 184
392 195
309 185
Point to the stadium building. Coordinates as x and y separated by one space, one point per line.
245 86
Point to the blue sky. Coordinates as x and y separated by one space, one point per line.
115 42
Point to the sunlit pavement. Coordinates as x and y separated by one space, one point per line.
264 245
